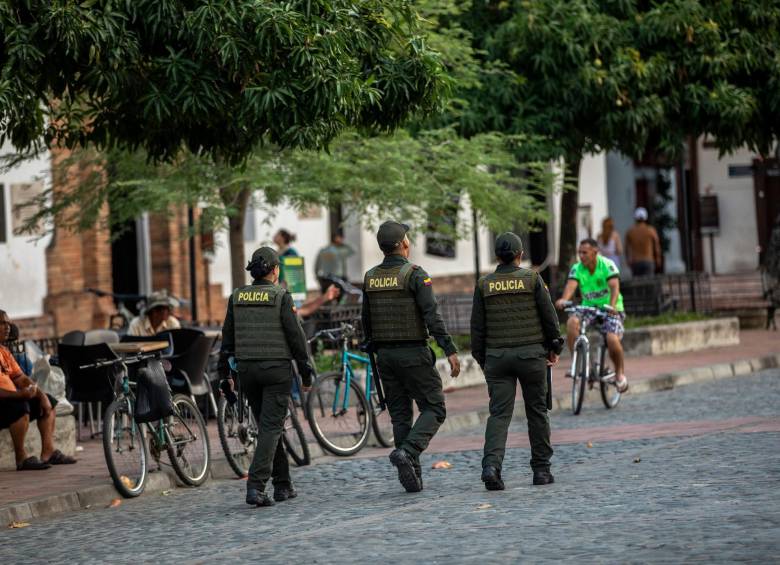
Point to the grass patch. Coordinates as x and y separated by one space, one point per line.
668 318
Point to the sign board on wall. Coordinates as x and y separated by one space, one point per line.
710 217
22 193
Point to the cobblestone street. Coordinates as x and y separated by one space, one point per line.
697 480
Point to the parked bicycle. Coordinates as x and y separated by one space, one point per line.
127 444
238 432
582 372
339 410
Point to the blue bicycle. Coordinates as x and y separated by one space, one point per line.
341 411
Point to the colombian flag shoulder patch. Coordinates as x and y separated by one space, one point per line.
427 281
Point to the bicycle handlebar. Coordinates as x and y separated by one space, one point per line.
334 334
125 360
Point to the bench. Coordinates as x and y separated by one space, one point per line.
64 440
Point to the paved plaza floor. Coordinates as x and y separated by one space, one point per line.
688 475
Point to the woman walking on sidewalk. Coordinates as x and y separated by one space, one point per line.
514 336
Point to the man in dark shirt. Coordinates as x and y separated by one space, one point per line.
264 334
399 313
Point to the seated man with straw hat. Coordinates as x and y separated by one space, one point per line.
156 316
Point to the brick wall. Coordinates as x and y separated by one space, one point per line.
39 327
170 246
75 261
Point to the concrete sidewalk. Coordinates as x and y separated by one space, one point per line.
32 494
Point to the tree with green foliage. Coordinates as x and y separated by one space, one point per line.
373 178
425 174
600 75
217 78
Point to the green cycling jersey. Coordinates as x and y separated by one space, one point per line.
593 286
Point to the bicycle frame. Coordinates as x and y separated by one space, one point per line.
346 369
582 338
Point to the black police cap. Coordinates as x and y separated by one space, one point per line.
265 258
508 242
391 233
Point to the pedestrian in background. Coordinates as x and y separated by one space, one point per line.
156 317
643 247
610 245
283 240
399 313
332 262
515 336
262 332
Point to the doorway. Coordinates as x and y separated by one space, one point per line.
766 184
124 261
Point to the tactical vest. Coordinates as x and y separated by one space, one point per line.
257 316
395 315
510 309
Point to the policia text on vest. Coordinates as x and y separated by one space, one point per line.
399 314
514 333
264 335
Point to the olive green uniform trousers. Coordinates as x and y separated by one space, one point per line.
408 374
503 368
266 385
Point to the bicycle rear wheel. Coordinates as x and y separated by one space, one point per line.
238 437
339 415
188 442
294 439
124 446
380 422
579 378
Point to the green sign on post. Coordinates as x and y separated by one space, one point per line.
293 276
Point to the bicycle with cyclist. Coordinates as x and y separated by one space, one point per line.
598 280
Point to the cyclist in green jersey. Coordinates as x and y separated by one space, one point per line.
598 279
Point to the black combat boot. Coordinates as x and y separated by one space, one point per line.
492 478
543 477
283 493
406 472
418 470
256 497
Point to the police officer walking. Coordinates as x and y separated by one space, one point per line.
515 335
263 333
399 314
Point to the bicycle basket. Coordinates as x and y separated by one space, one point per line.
153 396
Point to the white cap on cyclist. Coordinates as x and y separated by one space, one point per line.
640 214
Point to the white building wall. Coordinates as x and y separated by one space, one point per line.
592 199
314 233
736 244
22 257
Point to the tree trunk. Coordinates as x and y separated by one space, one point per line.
236 236
567 247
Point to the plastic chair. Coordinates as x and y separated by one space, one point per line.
100 336
189 364
88 385
76 337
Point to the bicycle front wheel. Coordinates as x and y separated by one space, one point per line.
293 438
188 442
338 414
610 395
579 377
238 436
124 446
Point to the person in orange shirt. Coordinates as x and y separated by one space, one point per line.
21 401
